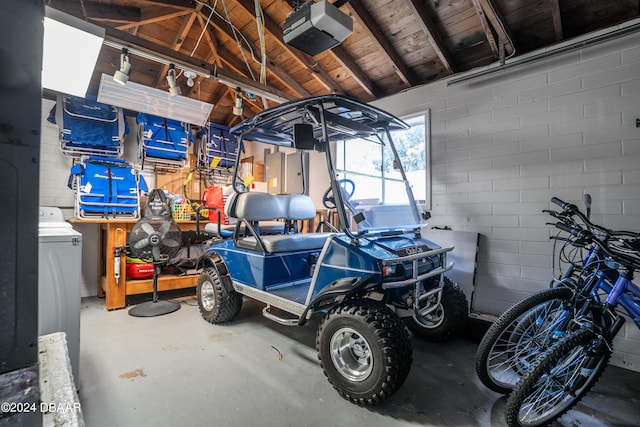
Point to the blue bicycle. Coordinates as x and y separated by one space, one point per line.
565 373
518 337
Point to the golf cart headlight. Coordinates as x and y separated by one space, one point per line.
391 270
388 270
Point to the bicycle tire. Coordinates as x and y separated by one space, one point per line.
497 364
558 380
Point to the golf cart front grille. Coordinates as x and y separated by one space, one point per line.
412 265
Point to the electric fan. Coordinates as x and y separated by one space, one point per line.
155 236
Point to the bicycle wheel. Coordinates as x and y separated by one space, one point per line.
513 342
557 381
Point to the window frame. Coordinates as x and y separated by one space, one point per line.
424 200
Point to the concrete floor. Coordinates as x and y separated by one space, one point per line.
178 370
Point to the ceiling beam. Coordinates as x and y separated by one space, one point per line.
274 68
99 11
221 57
213 48
342 56
218 94
182 33
180 4
371 26
306 61
339 53
178 41
164 55
557 19
486 28
151 16
433 35
499 23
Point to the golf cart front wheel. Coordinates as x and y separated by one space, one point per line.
216 303
447 317
364 351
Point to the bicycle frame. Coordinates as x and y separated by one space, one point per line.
597 280
626 294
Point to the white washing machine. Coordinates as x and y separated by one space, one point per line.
59 279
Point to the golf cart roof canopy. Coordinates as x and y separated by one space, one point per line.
345 118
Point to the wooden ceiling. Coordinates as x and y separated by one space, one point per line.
395 44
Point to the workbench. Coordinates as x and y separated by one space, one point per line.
113 233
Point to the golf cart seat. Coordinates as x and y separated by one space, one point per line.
265 227
254 208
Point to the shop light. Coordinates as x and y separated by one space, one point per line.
70 51
122 75
145 99
237 104
174 89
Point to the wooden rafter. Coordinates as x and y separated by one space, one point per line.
153 16
486 28
343 57
179 4
498 22
338 52
557 19
178 41
274 29
371 26
209 40
433 35
218 94
165 53
99 12
275 69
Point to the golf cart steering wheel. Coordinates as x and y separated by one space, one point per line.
328 200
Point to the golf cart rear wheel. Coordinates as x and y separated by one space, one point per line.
448 317
364 350
216 303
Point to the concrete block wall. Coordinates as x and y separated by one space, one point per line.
54 166
502 146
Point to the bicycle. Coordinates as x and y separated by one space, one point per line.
519 336
566 372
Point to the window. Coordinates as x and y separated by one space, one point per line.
370 165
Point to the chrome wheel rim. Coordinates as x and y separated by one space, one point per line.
207 296
351 354
433 319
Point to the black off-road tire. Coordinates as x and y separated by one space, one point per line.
542 385
447 320
499 336
360 334
216 303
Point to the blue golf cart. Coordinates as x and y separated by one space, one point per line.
369 273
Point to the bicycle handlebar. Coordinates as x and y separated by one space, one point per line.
588 236
570 210
583 233
564 205
574 231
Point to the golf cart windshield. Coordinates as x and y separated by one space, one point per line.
329 123
372 186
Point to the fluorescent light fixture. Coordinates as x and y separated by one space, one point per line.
145 99
122 75
174 89
70 51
